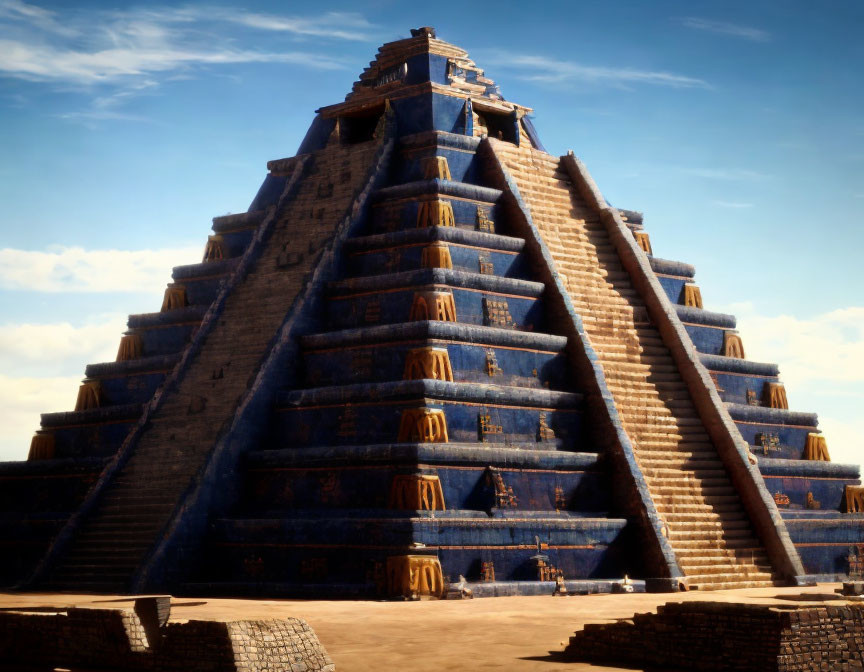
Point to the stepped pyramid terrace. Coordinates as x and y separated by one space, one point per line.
429 355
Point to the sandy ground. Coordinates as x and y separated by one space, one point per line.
504 633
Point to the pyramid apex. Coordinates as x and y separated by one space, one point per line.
423 31
417 65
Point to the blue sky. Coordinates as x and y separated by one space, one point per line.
736 127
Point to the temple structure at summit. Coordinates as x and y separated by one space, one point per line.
429 355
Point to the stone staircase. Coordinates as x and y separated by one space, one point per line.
707 527
113 540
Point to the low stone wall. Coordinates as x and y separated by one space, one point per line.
720 636
129 639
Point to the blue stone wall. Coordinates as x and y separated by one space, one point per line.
369 423
525 368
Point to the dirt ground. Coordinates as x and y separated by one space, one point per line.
504 633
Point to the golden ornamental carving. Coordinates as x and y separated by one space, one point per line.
436 255
433 305
416 492
487 572
423 425
435 213
414 576
89 396
130 348
175 297
644 241
854 496
41 447
774 396
692 296
816 448
483 222
435 167
733 346
432 363
214 250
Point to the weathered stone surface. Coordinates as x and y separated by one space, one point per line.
117 639
722 636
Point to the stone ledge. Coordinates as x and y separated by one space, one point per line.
204 269
439 187
129 367
439 139
434 390
433 329
168 318
436 276
771 416
512 456
450 234
241 220
513 588
700 317
807 468
669 267
39 468
93 416
723 364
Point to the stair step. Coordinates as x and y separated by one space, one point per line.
729 582
727 572
687 482
719 544
723 533
695 564
703 516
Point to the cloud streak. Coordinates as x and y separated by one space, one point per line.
552 71
725 28
334 25
75 269
87 48
44 63
29 349
827 348
21 12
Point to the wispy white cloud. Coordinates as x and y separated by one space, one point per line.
337 25
75 269
16 11
725 28
552 71
823 348
44 62
58 348
129 48
736 205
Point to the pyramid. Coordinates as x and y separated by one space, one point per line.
430 358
